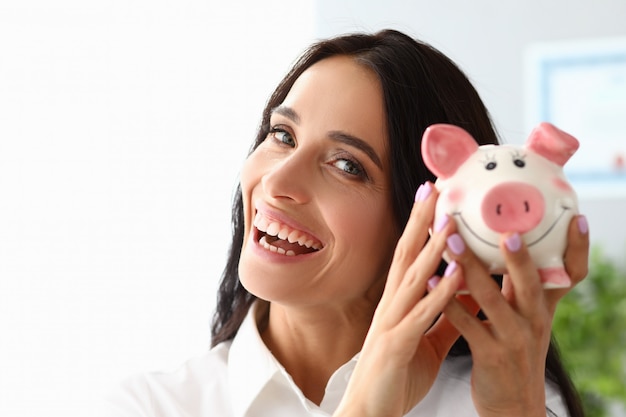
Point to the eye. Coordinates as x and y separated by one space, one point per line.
518 159
491 165
350 167
283 136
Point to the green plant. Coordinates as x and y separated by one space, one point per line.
590 328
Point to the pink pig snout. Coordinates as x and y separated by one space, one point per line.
513 207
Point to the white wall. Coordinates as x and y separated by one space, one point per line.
123 125
488 39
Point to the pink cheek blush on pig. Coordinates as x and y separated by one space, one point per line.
495 189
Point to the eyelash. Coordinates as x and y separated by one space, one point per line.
276 131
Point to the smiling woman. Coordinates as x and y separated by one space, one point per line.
331 302
332 114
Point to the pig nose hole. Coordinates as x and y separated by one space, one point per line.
499 208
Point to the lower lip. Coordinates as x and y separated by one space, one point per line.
277 257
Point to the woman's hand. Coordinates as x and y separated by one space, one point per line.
403 350
509 349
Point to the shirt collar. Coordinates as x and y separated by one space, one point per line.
250 364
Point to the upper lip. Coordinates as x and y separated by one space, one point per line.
277 216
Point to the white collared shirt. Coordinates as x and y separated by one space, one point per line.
242 379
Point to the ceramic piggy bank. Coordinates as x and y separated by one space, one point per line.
492 189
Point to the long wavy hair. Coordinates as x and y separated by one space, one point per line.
421 86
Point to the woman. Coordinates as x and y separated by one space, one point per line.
330 303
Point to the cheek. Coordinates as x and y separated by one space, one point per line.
250 172
561 185
370 225
454 196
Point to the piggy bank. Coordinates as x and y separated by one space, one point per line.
492 189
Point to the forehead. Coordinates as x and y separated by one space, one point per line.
339 94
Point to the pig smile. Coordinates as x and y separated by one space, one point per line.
564 209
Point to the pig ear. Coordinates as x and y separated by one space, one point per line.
552 143
445 148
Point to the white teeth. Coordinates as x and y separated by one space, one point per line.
283 232
273 229
260 222
271 248
293 236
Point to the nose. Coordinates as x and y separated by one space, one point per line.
513 207
289 178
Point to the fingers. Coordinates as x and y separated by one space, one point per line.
576 257
408 294
415 234
522 296
526 292
461 313
412 270
483 288
445 331
419 319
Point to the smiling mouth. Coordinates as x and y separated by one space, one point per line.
283 239
493 245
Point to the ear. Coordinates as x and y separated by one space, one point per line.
445 147
552 143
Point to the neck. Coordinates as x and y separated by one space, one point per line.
313 342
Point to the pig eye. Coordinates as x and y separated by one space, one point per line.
518 159
491 166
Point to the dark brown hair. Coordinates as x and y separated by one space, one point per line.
421 86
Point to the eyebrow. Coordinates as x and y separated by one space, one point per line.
335 135
357 143
288 112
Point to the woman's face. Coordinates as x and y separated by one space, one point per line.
317 201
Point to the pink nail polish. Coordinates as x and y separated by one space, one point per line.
423 192
441 223
432 283
452 266
583 225
513 242
456 244
418 194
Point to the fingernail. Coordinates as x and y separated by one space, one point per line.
452 266
513 242
423 192
432 283
583 225
441 223
455 243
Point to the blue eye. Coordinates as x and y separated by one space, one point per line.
350 167
491 165
282 136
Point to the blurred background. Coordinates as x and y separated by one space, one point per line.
123 126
